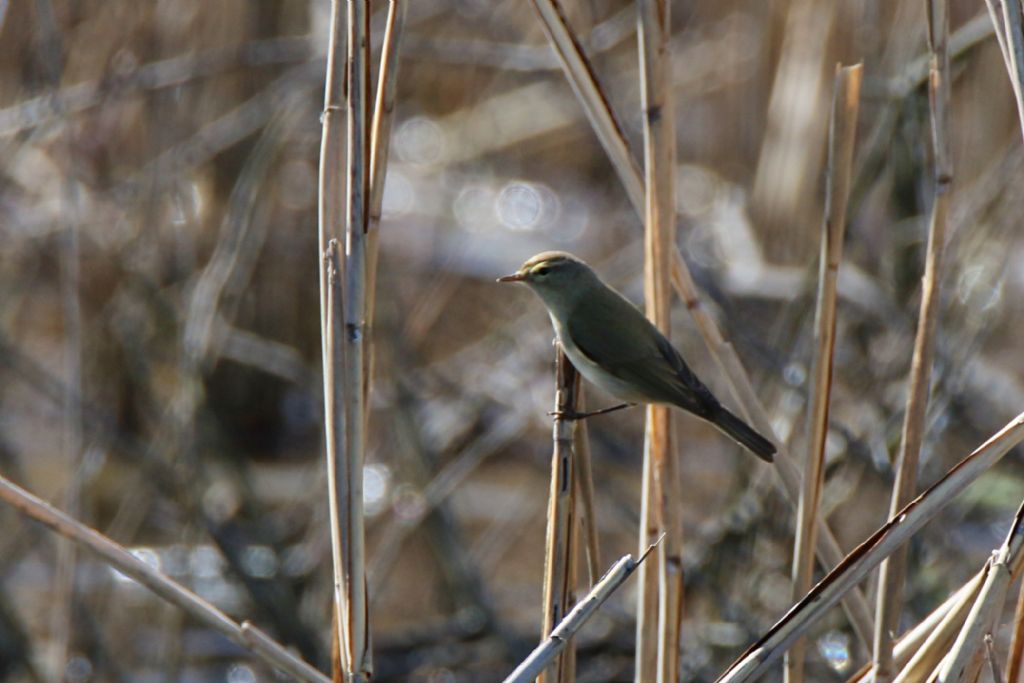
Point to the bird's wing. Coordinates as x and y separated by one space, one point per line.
647 360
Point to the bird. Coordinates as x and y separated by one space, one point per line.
615 347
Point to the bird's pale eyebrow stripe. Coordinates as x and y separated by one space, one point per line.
545 263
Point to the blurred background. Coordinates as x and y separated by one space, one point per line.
159 325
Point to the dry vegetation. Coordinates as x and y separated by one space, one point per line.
160 324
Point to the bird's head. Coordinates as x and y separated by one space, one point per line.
559 278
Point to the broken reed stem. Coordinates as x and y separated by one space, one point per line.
964 660
659 143
560 636
118 557
560 545
920 650
893 572
355 636
842 130
330 218
922 662
915 639
588 91
865 557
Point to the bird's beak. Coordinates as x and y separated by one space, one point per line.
514 277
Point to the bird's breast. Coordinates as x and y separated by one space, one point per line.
594 373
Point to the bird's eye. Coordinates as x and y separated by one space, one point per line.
543 270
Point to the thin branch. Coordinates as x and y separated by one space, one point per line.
870 553
842 129
588 91
118 557
542 656
893 572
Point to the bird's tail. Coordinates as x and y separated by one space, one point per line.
743 433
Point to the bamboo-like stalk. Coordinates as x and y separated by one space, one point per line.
842 130
659 143
893 572
118 557
594 102
330 219
544 654
562 524
870 553
354 627
965 658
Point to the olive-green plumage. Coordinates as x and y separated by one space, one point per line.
616 347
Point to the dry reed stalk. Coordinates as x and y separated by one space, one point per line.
922 662
341 315
596 106
562 530
842 130
911 642
354 627
1009 30
330 218
588 91
892 575
1013 661
993 661
118 557
870 553
964 660
659 143
542 656
645 655
380 145
585 491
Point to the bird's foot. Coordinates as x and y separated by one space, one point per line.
572 415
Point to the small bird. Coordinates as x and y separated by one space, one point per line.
617 348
